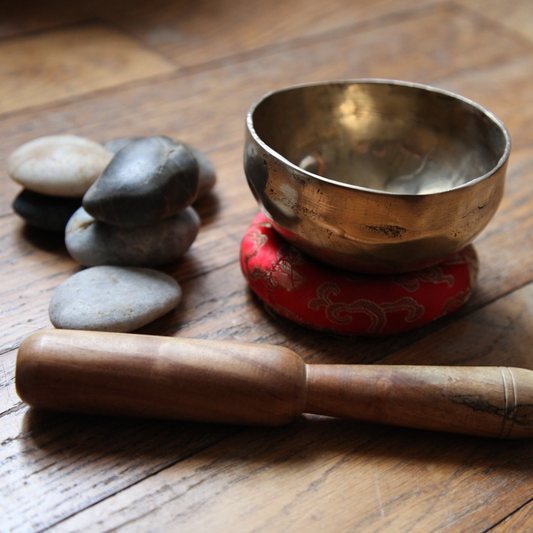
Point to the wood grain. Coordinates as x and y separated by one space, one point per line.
53 465
357 478
179 108
516 16
45 68
210 30
521 520
191 69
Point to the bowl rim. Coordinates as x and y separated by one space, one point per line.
381 81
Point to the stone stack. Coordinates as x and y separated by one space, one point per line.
123 206
138 212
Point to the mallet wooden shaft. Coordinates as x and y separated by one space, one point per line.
238 383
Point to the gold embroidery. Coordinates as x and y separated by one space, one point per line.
258 240
434 274
342 312
281 273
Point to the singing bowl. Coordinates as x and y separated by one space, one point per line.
375 176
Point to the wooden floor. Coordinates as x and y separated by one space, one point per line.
190 69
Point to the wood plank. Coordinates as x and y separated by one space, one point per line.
53 465
516 16
202 108
354 478
209 311
519 521
17 18
318 473
182 110
92 474
345 476
215 31
70 63
212 30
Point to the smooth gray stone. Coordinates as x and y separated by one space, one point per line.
58 165
110 298
147 180
91 243
50 213
206 176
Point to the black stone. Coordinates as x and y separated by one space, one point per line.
206 171
147 180
50 213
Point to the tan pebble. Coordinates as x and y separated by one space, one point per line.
58 165
111 298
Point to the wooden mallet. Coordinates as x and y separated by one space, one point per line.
240 383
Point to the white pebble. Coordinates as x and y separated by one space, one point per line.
58 165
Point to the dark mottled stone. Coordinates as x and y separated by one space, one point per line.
92 243
206 176
147 180
50 213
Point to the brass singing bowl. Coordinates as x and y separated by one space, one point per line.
375 176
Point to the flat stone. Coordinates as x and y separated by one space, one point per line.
91 242
206 171
147 180
50 213
110 298
58 165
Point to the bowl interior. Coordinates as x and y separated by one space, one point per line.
382 136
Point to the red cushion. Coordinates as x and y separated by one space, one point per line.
327 299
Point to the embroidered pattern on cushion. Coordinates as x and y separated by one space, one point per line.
411 282
343 312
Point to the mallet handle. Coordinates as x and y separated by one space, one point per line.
239 383
484 401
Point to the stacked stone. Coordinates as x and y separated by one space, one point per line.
55 172
138 212
123 206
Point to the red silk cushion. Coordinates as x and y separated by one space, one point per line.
327 299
